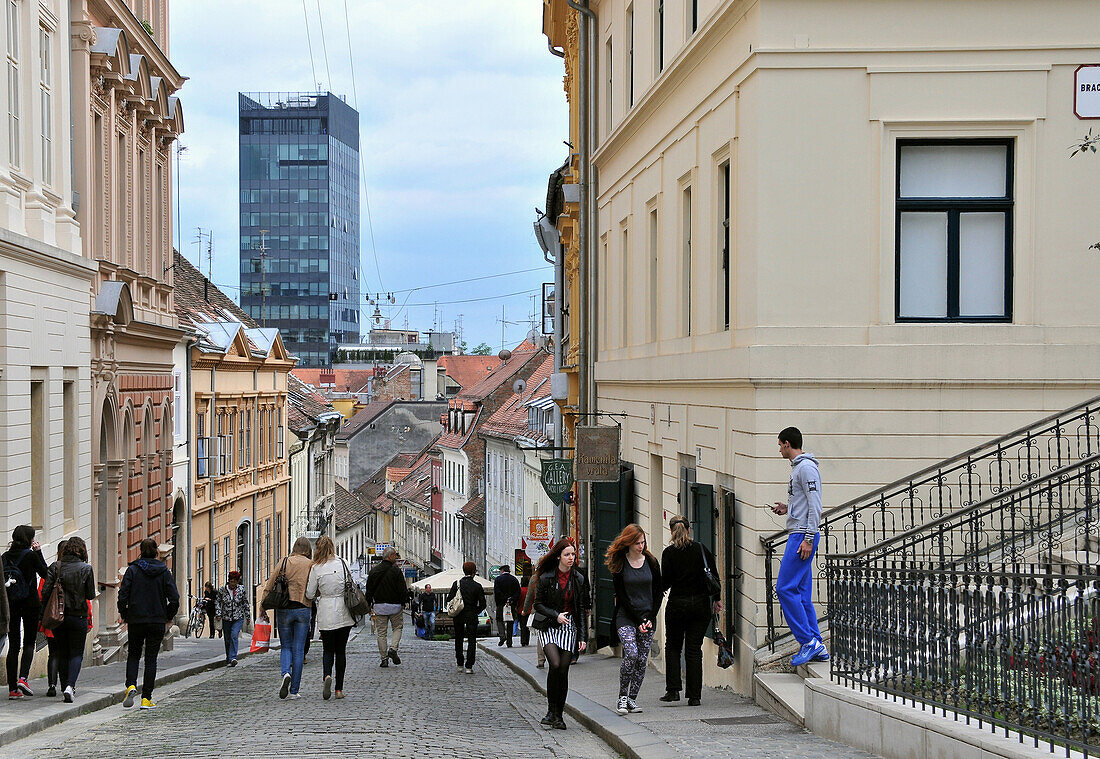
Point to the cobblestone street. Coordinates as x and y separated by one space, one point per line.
422 708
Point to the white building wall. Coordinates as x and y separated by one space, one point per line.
455 495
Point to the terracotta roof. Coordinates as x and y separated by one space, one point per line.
333 379
467 371
194 295
510 420
306 400
373 487
348 510
367 414
497 377
417 486
474 510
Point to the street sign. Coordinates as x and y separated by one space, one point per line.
557 478
1086 92
597 455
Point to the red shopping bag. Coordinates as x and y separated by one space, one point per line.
261 636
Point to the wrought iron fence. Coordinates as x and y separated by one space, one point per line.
995 467
1016 652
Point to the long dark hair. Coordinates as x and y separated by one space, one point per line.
75 546
549 562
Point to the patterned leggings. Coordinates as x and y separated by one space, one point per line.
635 655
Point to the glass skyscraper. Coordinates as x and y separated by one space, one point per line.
299 169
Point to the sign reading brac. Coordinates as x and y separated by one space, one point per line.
557 478
597 455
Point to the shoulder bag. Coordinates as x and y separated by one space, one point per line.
279 595
455 605
354 598
714 588
54 612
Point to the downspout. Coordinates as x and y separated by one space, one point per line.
587 47
189 404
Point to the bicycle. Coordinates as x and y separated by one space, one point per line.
197 620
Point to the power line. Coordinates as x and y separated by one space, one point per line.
324 45
471 279
309 43
362 162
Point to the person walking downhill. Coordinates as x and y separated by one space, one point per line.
147 601
688 612
327 578
636 575
210 604
23 564
293 619
794 586
77 580
561 617
505 595
427 611
232 608
465 622
387 593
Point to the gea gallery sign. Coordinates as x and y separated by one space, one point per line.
557 478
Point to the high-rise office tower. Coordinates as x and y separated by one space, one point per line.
299 169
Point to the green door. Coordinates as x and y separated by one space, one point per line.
613 509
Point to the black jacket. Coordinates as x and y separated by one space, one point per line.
682 570
550 601
427 602
31 564
505 589
622 600
473 596
77 582
386 585
148 593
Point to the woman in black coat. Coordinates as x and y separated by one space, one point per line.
561 618
636 576
473 603
688 612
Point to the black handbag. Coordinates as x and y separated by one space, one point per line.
354 598
279 595
714 588
725 653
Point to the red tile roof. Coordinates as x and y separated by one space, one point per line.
481 390
510 420
349 510
474 510
339 380
468 370
306 406
194 296
417 485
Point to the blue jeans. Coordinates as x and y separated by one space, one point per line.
429 622
795 590
231 628
293 631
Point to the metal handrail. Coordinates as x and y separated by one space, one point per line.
945 463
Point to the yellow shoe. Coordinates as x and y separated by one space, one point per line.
147 703
129 700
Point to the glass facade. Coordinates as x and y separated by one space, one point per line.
299 200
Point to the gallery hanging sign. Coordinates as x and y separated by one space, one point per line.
597 455
557 479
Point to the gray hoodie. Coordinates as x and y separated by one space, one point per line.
804 496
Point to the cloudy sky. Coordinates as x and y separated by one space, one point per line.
462 118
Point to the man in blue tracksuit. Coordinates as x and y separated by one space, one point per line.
795 584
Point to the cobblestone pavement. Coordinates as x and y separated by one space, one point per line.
727 724
422 708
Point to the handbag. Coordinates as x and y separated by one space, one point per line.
725 653
354 598
714 588
279 595
455 605
54 613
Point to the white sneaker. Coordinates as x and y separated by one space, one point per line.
68 694
284 689
632 706
469 670
294 696
624 705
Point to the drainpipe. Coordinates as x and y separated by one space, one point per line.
189 402
587 49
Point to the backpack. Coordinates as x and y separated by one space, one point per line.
18 588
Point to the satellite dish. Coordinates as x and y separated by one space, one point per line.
519 386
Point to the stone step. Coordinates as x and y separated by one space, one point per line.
815 669
783 694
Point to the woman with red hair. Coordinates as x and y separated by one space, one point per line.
636 575
561 617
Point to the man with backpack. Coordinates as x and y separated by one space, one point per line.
23 561
147 601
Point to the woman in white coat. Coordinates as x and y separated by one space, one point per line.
326 584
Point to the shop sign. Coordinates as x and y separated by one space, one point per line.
597 455
557 479
539 527
1086 92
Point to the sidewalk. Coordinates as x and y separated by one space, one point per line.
105 685
727 724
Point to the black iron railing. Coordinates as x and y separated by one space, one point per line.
987 470
1014 652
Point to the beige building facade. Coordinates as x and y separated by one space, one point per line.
857 218
45 351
